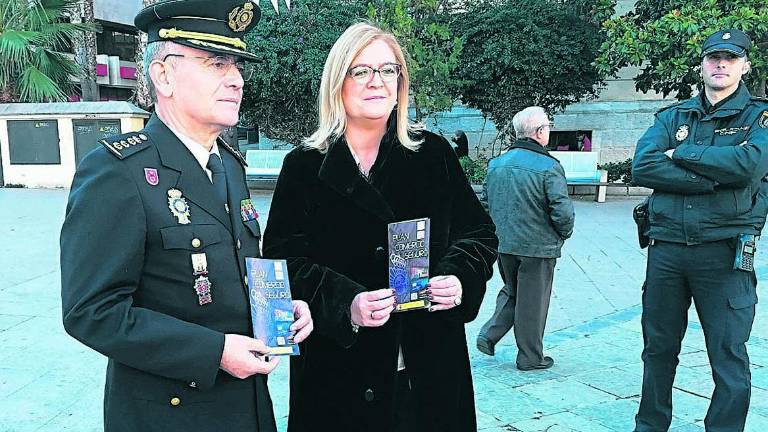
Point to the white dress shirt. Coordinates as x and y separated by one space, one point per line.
198 151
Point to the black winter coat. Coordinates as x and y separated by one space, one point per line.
330 223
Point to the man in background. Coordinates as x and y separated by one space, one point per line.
528 199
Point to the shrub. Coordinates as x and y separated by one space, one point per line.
475 170
619 171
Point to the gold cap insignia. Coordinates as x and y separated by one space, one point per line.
726 36
682 133
241 17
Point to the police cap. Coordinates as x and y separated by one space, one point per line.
731 40
214 26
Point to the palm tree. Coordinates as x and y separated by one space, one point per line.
33 36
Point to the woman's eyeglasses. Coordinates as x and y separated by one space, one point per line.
388 72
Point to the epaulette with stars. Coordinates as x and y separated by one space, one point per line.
122 146
234 152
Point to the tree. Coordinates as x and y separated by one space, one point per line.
665 41
421 27
519 53
141 95
85 52
34 34
281 98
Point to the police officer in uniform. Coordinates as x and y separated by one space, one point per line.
705 159
158 226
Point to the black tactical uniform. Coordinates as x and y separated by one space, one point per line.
710 191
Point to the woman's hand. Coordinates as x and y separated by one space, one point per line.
444 292
303 325
372 308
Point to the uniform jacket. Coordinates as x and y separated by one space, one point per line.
330 223
127 285
528 200
713 188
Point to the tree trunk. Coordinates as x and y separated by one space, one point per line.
761 87
85 52
141 95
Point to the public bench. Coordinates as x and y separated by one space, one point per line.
263 167
581 170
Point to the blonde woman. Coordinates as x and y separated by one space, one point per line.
366 368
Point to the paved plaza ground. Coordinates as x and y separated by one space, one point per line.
49 382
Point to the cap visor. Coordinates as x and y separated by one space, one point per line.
730 48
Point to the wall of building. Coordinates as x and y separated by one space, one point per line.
117 11
53 175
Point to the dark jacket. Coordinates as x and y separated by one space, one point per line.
713 188
528 200
127 286
331 226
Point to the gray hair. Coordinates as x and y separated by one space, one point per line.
154 51
525 123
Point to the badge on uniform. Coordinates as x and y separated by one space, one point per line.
202 283
150 174
247 211
682 133
178 206
763 122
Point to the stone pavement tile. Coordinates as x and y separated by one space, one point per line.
27 333
614 381
12 380
633 324
9 321
758 353
509 375
695 359
688 427
591 357
560 422
696 381
566 393
759 402
687 407
509 405
44 399
29 307
760 377
756 423
487 421
84 415
617 415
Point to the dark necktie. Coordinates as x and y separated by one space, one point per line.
218 176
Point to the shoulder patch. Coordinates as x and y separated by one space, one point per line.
234 152
122 146
763 120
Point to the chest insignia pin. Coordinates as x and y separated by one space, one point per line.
682 133
178 206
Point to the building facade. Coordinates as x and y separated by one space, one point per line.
116 45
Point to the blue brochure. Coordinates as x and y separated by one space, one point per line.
271 306
409 263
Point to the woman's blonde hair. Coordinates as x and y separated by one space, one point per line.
332 121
